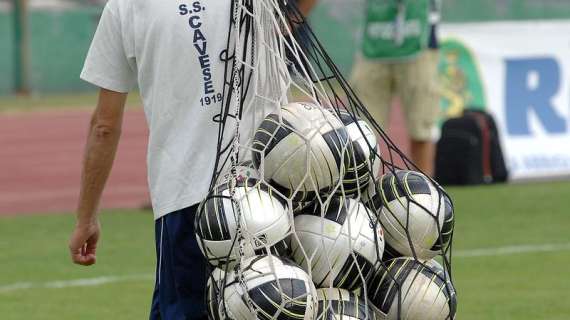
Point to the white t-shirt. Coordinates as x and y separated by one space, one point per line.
172 50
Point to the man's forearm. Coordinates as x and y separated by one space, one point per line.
100 149
98 160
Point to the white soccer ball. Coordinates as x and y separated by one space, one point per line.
262 216
340 244
270 288
301 151
417 293
340 304
413 210
364 162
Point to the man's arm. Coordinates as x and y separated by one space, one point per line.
306 6
100 150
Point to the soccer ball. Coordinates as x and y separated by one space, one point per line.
409 289
363 161
262 217
413 210
341 243
301 151
340 304
269 288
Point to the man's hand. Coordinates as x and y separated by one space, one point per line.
83 243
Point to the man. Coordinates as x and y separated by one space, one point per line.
395 62
172 50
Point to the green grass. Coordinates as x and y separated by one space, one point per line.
34 249
519 286
15 104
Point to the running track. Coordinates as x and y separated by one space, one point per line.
40 159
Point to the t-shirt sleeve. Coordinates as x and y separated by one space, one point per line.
107 64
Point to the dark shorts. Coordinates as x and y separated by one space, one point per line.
181 269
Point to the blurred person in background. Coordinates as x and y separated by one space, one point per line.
433 42
396 60
306 6
165 49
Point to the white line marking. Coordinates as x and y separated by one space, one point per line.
509 250
74 283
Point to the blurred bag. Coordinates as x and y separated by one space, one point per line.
469 151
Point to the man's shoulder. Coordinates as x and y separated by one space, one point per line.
121 7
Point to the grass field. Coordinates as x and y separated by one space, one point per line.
491 284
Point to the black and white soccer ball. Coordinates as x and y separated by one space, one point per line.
340 304
364 162
339 243
411 209
255 208
409 289
268 288
301 151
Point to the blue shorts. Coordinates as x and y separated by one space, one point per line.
181 269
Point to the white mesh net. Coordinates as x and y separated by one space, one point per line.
314 213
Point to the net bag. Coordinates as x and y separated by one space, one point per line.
313 211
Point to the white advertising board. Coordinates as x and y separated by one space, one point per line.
523 70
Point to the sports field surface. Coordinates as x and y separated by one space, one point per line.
511 258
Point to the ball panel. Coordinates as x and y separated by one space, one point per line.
447 227
270 132
336 210
213 224
404 183
336 141
356 271
362 154
339 246
335 304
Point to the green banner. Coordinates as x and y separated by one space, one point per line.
461 85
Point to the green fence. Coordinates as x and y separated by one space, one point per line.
6 53
59 43
59 40
60 37
484 10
